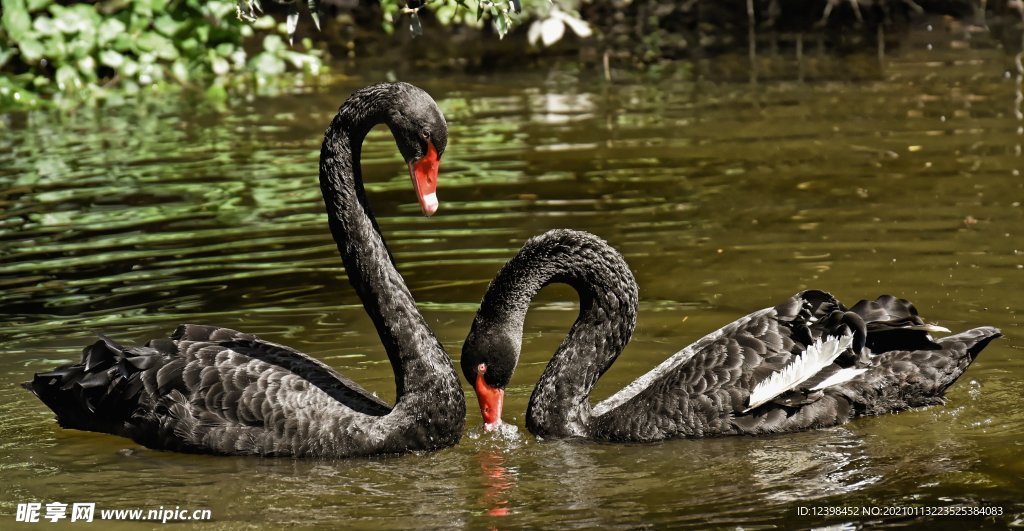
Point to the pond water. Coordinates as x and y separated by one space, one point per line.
725 195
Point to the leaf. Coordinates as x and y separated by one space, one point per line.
71 20
551 30
180 71
130 68
80 47
111 58
220 66
248 10
138 22
67 78
56 48
578 26
31 50
44 26
293 22
109 30
36 5
149 6
122 42
238 58
87 66
264 23
5 55
273 43
501 25
167 25
414 25
158 44
217 92
314 11
130 87
300 61
16 20
150 73
533 35
269 65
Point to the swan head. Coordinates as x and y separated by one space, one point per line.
488 360
421 133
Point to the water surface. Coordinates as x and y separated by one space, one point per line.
725 196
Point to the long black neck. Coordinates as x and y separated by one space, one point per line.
408 341
608 295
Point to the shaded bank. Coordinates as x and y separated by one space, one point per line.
635 34
91 53
652 29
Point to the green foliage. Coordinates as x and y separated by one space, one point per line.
500 14
250 10
549 18
77 52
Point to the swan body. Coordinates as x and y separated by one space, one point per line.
809 362
215 390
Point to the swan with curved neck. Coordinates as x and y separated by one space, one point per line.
215 390
806 363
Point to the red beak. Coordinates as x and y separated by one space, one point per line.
491 399
424 178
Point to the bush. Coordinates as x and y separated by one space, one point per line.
76 52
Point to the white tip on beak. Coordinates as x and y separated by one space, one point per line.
430 203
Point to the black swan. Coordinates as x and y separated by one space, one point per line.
806 363
214 390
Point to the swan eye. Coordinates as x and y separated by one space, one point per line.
482 368
425 135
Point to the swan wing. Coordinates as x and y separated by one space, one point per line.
347 392
754 346
208 389
806 363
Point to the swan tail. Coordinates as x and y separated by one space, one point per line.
937 370
917 378
964 348
101 391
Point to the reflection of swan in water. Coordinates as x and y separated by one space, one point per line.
823 466
499 481
573 472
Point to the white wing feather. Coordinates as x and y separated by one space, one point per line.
818 355
841 376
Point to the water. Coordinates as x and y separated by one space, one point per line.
725 196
